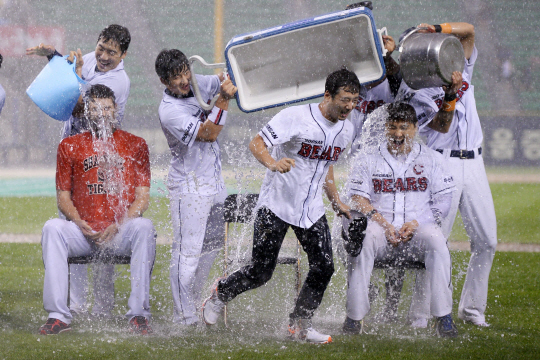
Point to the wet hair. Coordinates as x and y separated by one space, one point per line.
400 111
170 62
99 91
342 79
1 59
118 34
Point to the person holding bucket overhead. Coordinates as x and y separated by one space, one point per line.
105 65
457 134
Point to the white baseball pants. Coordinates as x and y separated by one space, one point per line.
61 239
475 203
427 245
199 231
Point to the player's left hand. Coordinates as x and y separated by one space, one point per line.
228 90
341 209
80 61
107 235
407 230
389 44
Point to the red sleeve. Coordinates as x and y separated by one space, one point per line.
64 170
142 165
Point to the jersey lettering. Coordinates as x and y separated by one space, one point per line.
400 185
271 131
186 133
464 87
314 152
90 162
367 107
96 189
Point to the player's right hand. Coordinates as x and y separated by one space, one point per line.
228 89
283 165
389 44
391 234
80 62
87 231
457 82
41 50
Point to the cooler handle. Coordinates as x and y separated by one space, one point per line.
381 32
195 85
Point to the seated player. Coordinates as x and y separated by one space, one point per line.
103 196
306 141
404 190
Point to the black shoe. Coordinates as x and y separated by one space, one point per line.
352 327
445 326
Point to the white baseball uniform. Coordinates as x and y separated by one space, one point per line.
301 133
197 193
402 189
118 81
473 197
2 98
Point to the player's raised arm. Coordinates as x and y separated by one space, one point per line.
463 31
210 129
260 151
442 121
41 50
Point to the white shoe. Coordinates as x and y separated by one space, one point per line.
419 323
301 329
476 322
212 307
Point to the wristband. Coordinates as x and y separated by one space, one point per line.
370 214
438 28
448 97
446 28
449 105
218 116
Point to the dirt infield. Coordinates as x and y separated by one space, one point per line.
163 240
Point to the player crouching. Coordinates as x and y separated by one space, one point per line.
306 141
97 219
405 191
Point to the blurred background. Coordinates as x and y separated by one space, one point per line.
506 75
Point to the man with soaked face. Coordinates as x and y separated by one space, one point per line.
105 65
405 191
98 220
306 142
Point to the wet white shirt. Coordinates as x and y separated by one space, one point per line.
116 79
2 98
303 134
414 188
195 165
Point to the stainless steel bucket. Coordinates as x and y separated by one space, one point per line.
428 60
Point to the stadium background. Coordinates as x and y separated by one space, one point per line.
505 79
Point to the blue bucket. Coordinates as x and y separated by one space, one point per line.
56 89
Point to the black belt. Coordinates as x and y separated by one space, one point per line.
462 154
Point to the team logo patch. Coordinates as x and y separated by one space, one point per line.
418 169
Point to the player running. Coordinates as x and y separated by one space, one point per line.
404 190
454 129
306 141
104 66
196 187
98 220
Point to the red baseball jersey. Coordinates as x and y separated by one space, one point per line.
77 171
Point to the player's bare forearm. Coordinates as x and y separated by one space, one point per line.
463 31
442 121
140 204
333 195
208 132
66 206
260 151
363 205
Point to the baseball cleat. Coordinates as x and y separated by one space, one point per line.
352 327
212 306
445 326
54 327
139 325
301 330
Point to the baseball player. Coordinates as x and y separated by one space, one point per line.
402 187
306 141
196 187
453 129
2 91
97 219
104 66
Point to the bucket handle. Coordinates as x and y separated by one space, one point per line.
381 32
73 66
195 85
400 45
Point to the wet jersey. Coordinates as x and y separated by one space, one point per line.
367 103
403 190
2 98
78 171
301 133
195 165
465 130
116 79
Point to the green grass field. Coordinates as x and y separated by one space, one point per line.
517 207
258 319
